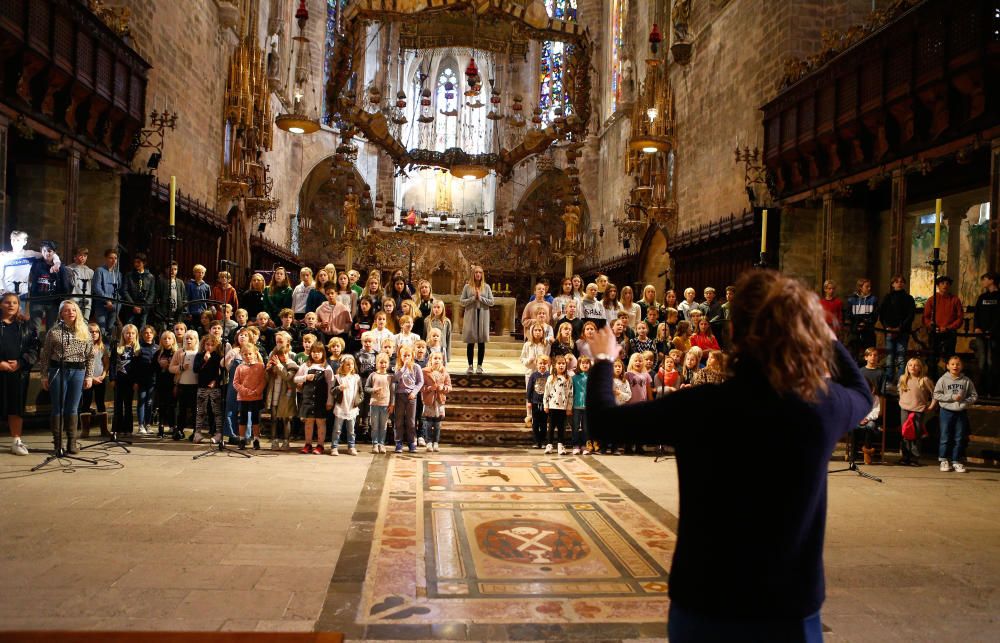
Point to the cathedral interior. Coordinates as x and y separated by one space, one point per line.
677 144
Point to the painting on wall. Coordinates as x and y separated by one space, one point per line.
973 259
921 252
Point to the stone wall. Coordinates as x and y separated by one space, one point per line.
739 49
99 211
38 205
189 52
189 48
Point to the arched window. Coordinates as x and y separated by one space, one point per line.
551 90
617 31
446 104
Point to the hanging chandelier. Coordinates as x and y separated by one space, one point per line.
650 156
484 32
300 119
247 122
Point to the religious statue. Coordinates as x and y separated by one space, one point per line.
681 17
571 217
274 63
351 204
628 82
15 264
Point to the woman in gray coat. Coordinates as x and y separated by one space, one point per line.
477 297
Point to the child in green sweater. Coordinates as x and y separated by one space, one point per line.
580 435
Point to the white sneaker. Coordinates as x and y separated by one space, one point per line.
437 447
469 370
275 444
430 447
18 448
381 448
548 449
946 466
421 442
374 448
560 450
352 451
576 450
216 438
142 430
285 445
198 437
334 451
958 467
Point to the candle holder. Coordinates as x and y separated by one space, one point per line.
935 263
153 137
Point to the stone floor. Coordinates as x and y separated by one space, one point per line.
156 540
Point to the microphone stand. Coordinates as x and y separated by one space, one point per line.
59 453
112 438
852 464
222 447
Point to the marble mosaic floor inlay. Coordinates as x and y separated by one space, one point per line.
511 539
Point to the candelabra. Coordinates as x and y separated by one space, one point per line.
153 137
632 224
756 179
353 239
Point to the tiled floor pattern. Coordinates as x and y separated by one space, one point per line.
504 546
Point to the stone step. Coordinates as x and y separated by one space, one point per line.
487 396
492 352
485 413
470 434
460 379
456 340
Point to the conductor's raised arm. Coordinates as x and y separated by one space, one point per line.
641 423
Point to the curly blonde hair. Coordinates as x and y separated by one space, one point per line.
779 330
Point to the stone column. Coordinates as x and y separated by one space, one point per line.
4 124
72 198
897 221
827 237
994 249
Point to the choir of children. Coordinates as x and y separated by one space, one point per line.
353 357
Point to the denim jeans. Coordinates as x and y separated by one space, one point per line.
895 358
910 449
580 433
987 356
65 389
689 627
379 417
144 404
345 424
432 429
106 319
954 435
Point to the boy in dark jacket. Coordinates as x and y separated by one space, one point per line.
43 282
896 313
140 291
534 396
860 318
986 323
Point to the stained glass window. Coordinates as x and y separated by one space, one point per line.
446 120
551 92
618 20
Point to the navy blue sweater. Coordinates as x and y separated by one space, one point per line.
751 526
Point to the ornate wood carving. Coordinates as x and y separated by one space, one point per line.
73 73
911 79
